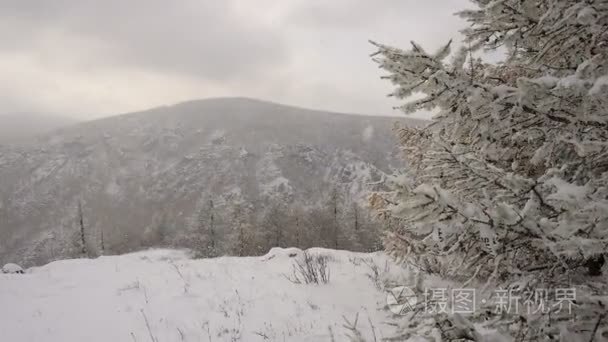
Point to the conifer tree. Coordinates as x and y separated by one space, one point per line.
82 241
206 234
508 185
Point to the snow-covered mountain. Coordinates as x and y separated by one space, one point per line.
145 175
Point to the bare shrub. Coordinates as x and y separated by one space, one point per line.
311 269
354 333
377 274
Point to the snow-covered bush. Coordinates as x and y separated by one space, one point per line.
12 269
508 185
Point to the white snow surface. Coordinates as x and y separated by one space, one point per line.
183 299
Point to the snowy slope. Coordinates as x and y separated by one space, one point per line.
222 299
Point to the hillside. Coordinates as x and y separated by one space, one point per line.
155 177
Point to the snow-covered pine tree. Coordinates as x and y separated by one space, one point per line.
294 229
509 183
244 239
82 241
205 235
274 222
334 229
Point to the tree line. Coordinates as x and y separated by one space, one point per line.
217 227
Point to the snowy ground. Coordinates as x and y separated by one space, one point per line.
222 299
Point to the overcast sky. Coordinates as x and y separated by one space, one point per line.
90 58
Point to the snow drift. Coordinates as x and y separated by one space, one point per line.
164 295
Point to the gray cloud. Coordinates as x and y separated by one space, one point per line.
199 38
357 14
112 56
